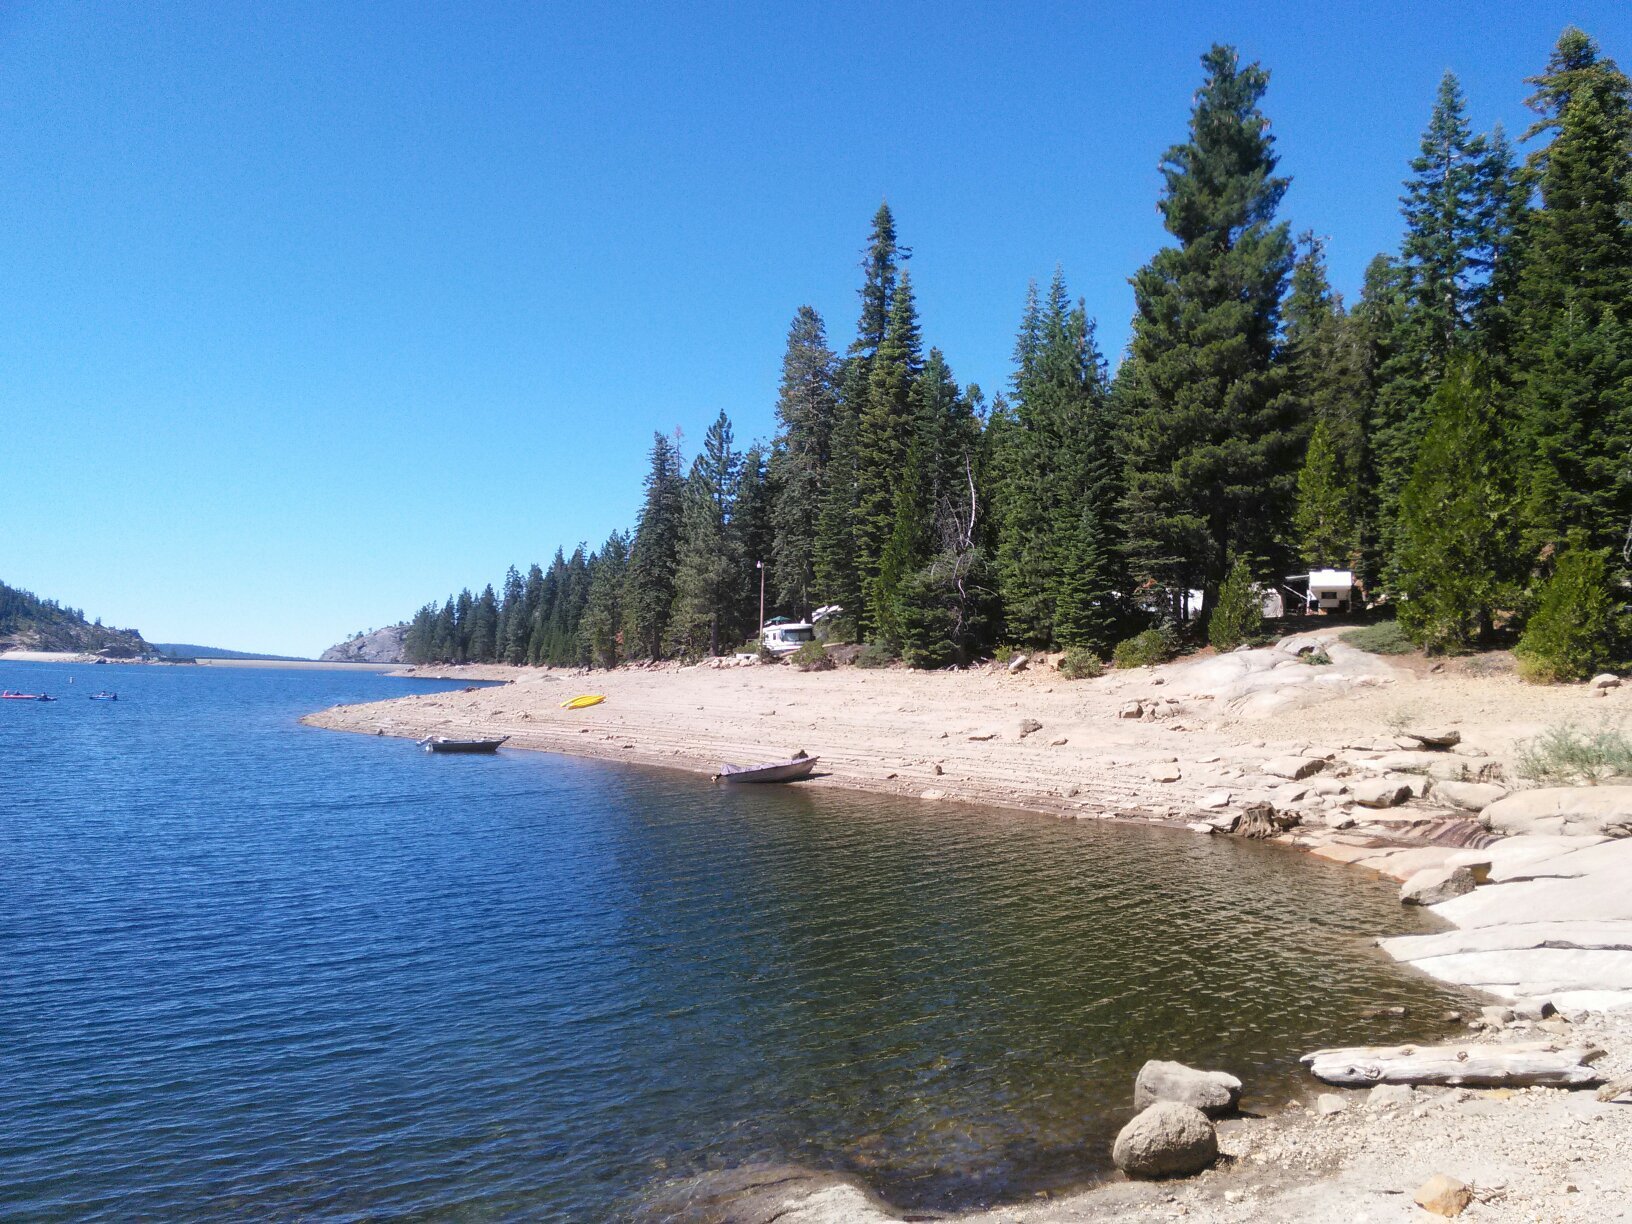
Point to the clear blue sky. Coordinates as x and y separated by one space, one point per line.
314 312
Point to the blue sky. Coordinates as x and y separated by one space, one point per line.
314 312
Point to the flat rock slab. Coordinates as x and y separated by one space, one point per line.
1525 972
1510 856
1602 895
1295 768
1469 796
1523 936
1432 885
1589 810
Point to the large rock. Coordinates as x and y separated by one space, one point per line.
1380 792
1212 1092
1435 737
1469 796
381 646
1577 810
1432 885
1294 767
1443 1195
1166 1140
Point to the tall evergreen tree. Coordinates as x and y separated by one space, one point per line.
484 627
1213 444
653 556
1574 305
601 627
754 526
1457 531
837 561
883 432
1327 375
1061 478
805 409
1456 205
708 568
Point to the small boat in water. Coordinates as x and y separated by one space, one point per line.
584 702
103 696
8 695
442 743
779 771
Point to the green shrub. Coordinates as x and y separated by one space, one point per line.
1563 755
1383 638
1316 658
812 656
1080 663
1239 617
1146 649
1576 629
875 654
1003 654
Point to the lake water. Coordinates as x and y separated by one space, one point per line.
252 969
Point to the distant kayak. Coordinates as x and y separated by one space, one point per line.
587 700
103 696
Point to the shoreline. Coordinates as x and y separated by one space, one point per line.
1211 743
66 656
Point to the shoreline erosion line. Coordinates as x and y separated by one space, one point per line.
1039 743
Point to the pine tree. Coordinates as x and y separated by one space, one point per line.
1328 375
1057 470
1579 626
1455 206
649 596
754 526
1574 305
883 433
1213 445
512 611
464 607
1239 616
1323 521
484 628
445 636
1453 564
838 581
805 409
708 566
601 625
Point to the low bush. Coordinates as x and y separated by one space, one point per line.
1564 755
1577 627
1239 617
1146 649
812 656
1316 658
1002 655
1383 638
875 654
1081 663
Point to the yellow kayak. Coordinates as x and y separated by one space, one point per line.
584 702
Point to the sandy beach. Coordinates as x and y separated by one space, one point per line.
1203 743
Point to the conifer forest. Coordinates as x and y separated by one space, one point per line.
1460 437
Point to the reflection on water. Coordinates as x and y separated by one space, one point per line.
253 968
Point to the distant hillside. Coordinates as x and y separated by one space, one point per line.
186 650
380 646
28 622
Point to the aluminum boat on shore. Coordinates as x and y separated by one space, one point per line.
442 743
790 770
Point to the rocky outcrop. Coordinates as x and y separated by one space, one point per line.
1578 810
1432 885
1212 1092
1166 1140
381 646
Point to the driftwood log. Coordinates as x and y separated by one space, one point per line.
1616 1089
1517 1065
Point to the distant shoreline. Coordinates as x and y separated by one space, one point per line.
67 656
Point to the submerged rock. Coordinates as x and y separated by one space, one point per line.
1212 1092
1166 1140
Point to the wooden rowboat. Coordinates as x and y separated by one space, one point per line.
780 771
441 743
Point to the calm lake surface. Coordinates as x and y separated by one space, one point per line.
252 969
